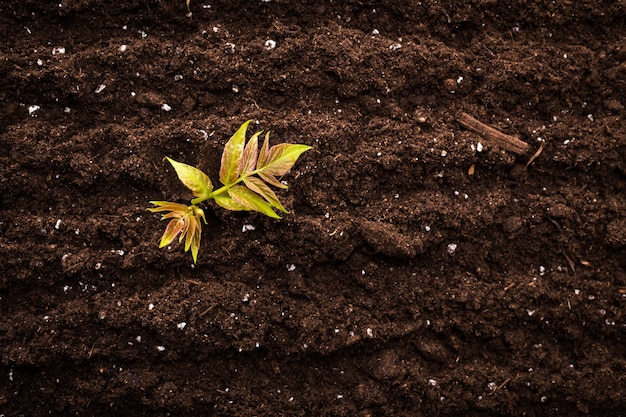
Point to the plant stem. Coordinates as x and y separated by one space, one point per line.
224 188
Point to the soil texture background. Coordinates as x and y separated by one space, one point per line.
422 270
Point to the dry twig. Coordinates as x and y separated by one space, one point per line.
494 136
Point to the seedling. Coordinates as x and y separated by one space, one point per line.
245 173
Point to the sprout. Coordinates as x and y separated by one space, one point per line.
246 174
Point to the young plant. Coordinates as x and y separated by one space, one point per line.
246 173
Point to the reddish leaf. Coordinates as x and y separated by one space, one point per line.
185 221
270 179
167 206
195 243
251 200
173 228
261 188
264 151
279 159
231 157
250 153
190 229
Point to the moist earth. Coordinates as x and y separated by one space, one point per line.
421 271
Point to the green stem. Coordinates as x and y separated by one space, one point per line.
224 188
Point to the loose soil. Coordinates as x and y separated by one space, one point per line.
421 271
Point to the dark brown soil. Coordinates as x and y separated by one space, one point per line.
421 271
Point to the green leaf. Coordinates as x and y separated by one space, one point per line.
225 201
194 179
195 243
251 200
278 159
258 186
231 157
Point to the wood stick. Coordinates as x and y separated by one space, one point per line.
494 136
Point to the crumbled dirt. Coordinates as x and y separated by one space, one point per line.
421 271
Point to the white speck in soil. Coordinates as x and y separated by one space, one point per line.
161 348
150 306
100 88
247 228
57 224
291 267
432 382
58 51
270 44
32 109
181 325
452 248
166 107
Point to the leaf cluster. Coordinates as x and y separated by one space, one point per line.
247 171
